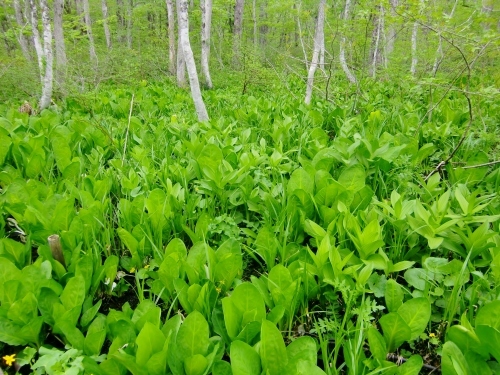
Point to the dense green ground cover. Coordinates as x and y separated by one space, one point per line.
278 238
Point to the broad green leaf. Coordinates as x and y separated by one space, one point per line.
195 365
149 341
267 246
9 332
393 295
129 362
302 349
353 177
223 368
95 337
490 337
192 338
247 299
453 361
412 366
396 331
488 315
157 364
378 347
416 313
300 179
73 294
272 349
244 359
5 143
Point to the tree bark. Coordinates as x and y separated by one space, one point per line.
120 20
171 36
23 40
43 52
254 20
60 47
319 37
206 23
182 14
343 41
181 62
414 57
88 25
238 30
107 34
377 55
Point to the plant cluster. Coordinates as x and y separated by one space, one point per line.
277 238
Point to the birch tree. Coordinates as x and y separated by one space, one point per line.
343 41
237 29
182 14
23 40
60 47
107 34
44 52
171 36
377 53
88 25
181 63
206 22
319 37
414 57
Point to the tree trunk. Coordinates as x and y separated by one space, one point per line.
171 36
47 48
181 62
343 41
88 25
414 57
391 33
61 60
319 37
299 29
23 40
43 52
238 30
206 23
263 28
107 34
377 56
182 14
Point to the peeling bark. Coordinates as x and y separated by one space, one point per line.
343 41
88 25
182 14
107 34
319 38
206 23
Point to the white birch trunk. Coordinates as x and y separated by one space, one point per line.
171 36
206 23
107 34
377 36
88 25
181 63
36 37
414 57
61 59
318 38
238 30
23 40
343 41
182 13
47 48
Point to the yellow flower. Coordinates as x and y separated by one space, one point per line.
132 270
218 290
432 335
146 266
9 359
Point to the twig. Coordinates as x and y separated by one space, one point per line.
128 128
399 360
481 165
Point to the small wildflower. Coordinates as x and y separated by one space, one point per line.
146 266
222 282
218 290
9 359
431 335
132 270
